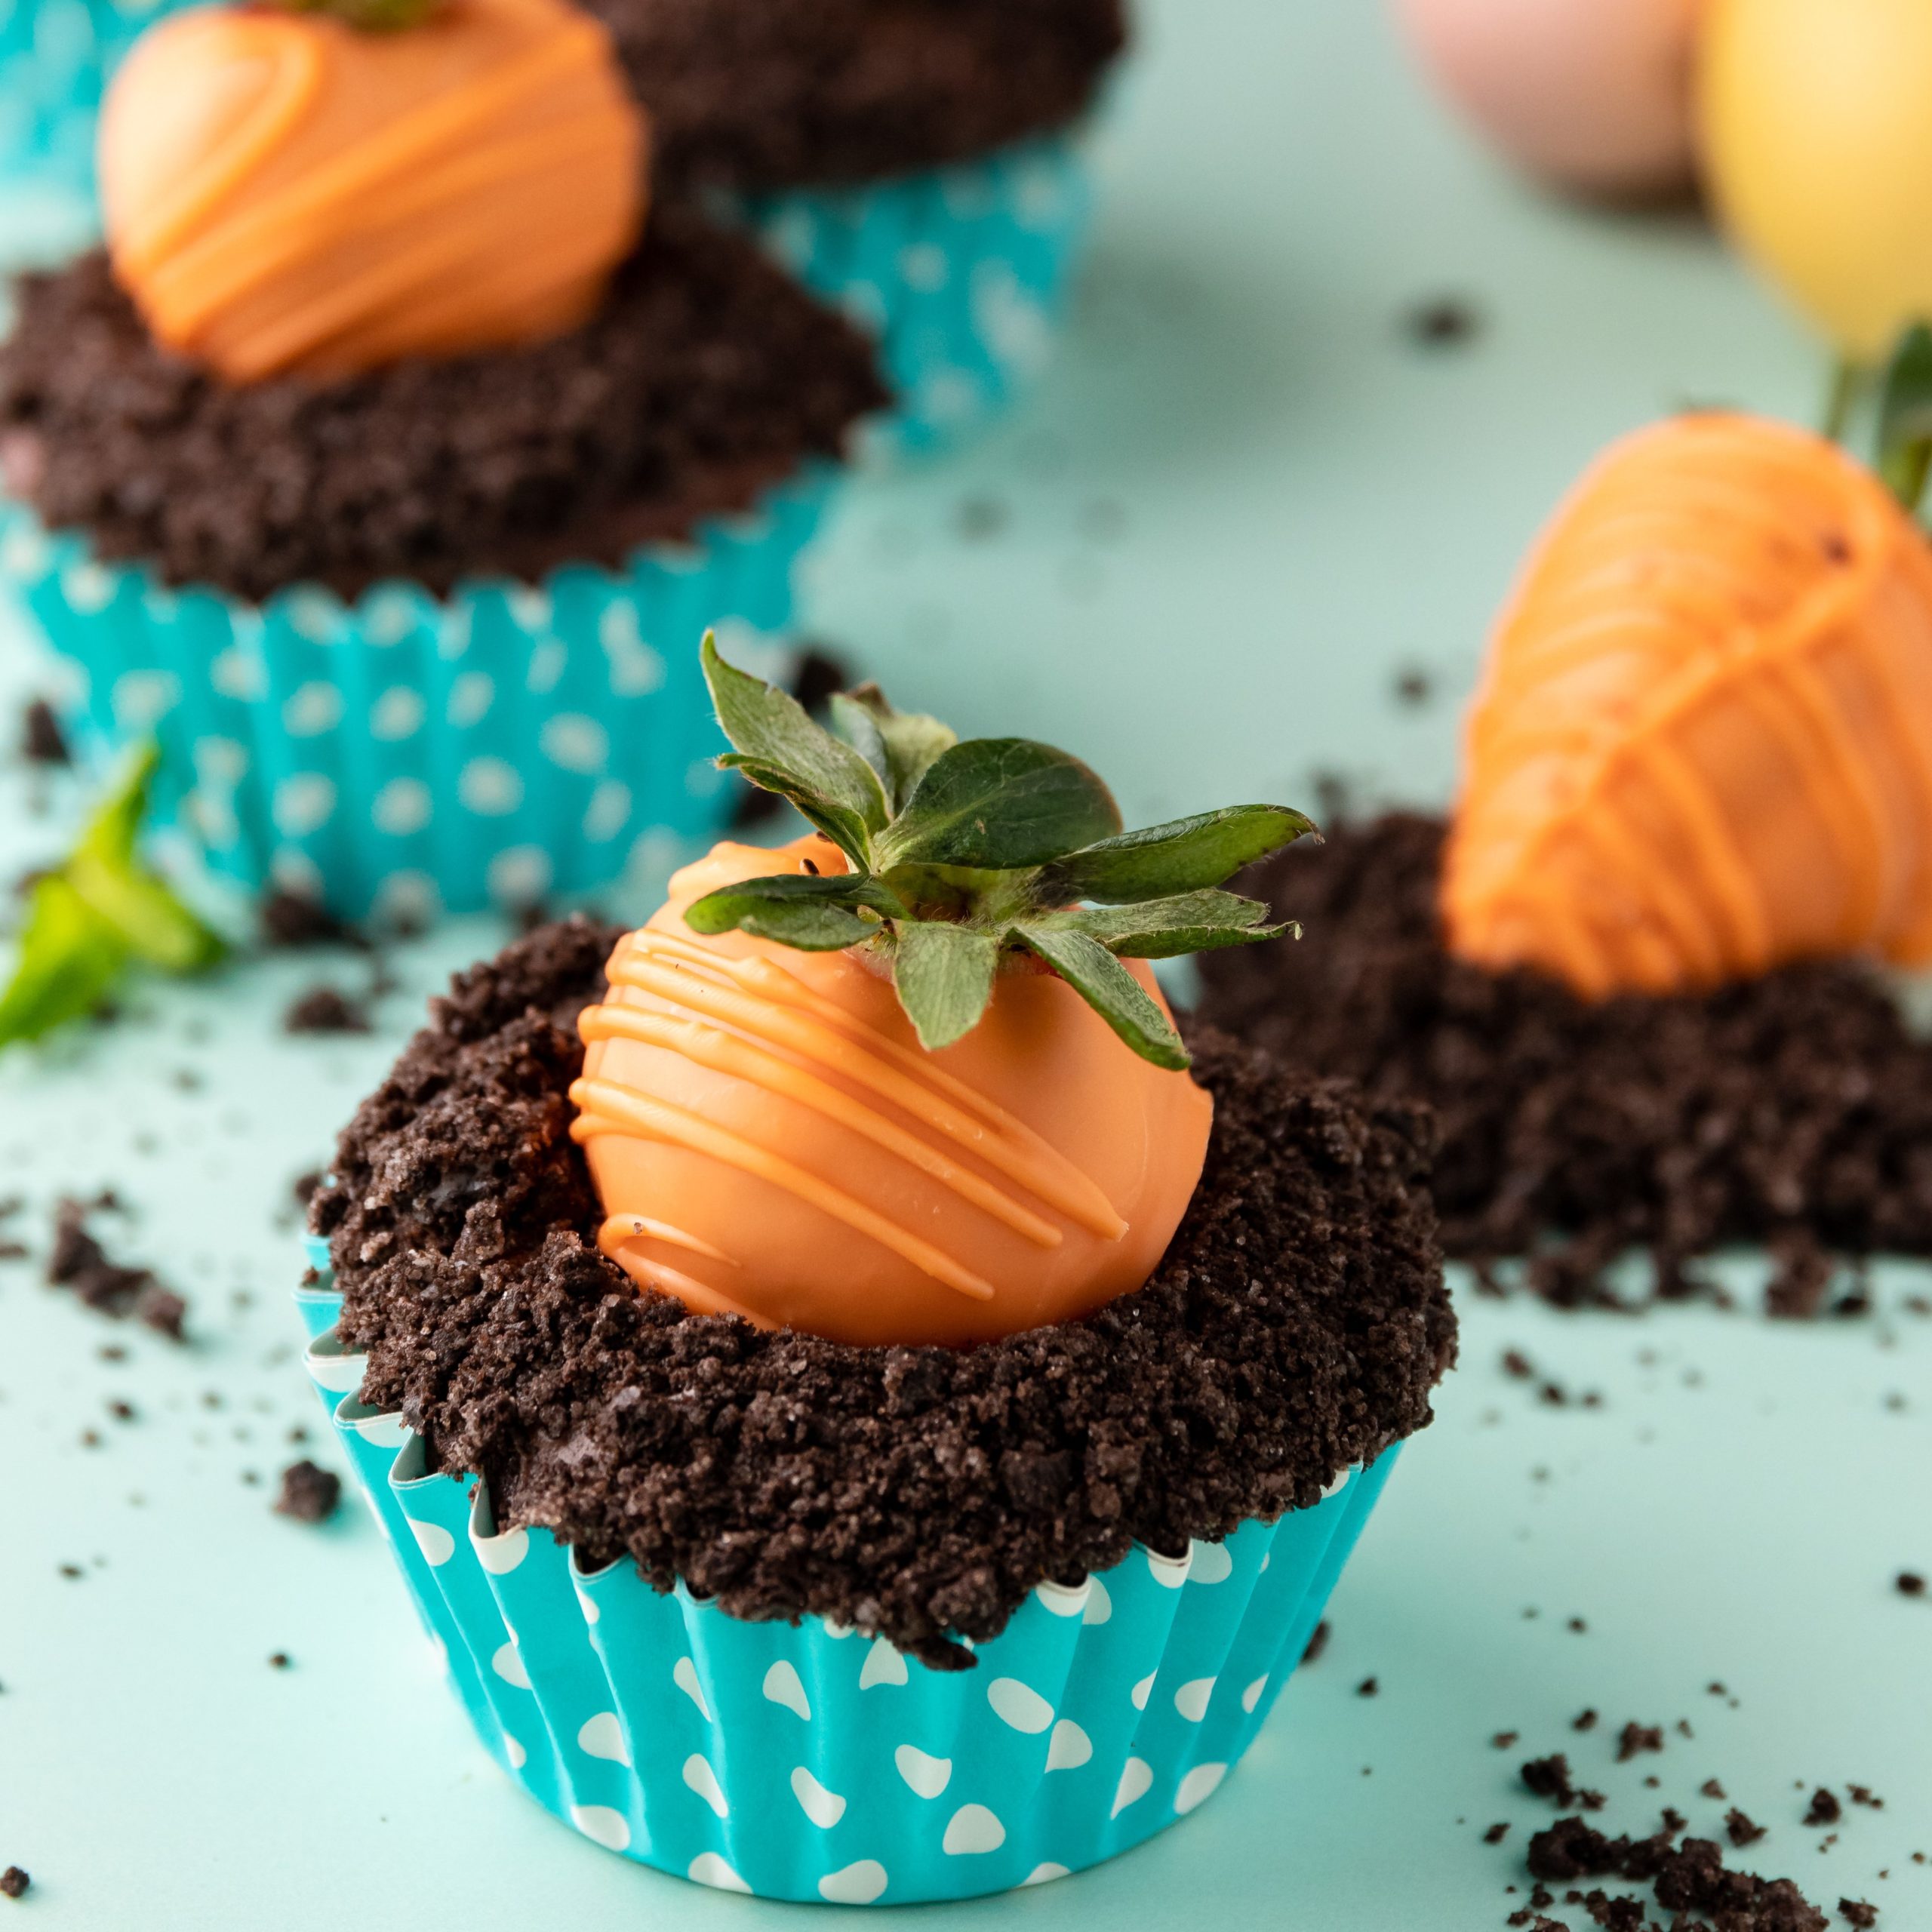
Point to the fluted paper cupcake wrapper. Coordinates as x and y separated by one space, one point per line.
403 753
807 1763
960 273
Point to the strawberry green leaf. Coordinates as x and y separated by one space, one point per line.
803 924
944 974
846 829
899 745
775 737
727 909
69 958
999 804
1167 928
1182 855
1109 988
1905 417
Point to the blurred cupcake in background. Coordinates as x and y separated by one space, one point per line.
923 163
1592 96
384 466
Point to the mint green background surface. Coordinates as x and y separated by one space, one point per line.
1242 504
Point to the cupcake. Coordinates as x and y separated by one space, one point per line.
1643 972
920 163
870 1412
387 463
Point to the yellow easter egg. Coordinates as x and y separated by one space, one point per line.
1816 129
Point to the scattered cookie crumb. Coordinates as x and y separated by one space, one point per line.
1855 1912
1742 1830
1317 1645
1635 1737
1825 1810
325 1009
1443 322
1910 1583
309 1493
14 1882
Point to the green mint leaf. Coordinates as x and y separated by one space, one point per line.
727 909
69 958
1185 855
774 736
944 974
1167 928
907 742
1905 417
1109 988
999 804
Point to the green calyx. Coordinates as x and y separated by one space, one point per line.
93 917
966 852
368 16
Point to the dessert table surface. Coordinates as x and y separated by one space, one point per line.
1244 536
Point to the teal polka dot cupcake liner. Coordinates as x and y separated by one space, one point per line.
961 274
808 1763
55 59
402 754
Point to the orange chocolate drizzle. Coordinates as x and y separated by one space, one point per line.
285 194
1702 747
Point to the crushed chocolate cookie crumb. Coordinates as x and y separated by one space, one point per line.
1740 1829
1504 1740
1910 1583
1863 1794
13 1883
1317 1645
309 1493
325 1009
1549 1777
706 375
279 1660
1790 1111
745 94
78 1262
1296 1324
1689 1878
1444 322
1712 1789
1825 1809
1496 1834
1585 1720
1856 1912
1635 1737
293 922
1368 1687
42 741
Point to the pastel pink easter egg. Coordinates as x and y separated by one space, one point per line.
1593 96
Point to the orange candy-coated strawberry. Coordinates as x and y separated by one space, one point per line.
1703 746
284 193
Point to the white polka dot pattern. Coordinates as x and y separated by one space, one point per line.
496 747
814 1763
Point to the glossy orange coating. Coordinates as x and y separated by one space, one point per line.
284 193
1703 746
770 1139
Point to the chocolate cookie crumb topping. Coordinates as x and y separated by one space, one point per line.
1296 1327
707 374
14 1882
1792 1111
748 94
